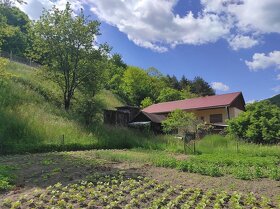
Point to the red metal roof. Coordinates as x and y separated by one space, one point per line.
195 103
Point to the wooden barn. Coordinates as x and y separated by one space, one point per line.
121 116
152 120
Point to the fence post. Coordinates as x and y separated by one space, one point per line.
62 141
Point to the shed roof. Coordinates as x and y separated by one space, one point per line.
144 116
154 118
195 103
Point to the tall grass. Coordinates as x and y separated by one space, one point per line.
216 144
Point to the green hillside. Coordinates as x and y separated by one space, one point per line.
33 118
275 100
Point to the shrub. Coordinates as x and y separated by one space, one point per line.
259 124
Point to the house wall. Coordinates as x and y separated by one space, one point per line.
234 112
206 114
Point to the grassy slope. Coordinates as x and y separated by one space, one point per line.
32 119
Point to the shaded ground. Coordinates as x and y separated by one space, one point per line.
38 171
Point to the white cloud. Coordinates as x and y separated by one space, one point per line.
260 16
262 61
219 86
248 15
34 8
155 25
276 89
242 42
152 24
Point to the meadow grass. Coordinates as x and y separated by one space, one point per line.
217 144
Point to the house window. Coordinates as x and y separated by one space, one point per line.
202 118
216 118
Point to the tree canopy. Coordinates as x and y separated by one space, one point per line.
260 123
137 85
169 94
200 87
180 120
14 29
146 102
66 46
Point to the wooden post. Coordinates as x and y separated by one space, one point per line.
237 146
185 151
194 151
62 141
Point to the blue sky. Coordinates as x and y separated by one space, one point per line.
232 44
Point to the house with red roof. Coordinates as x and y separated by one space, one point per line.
214 110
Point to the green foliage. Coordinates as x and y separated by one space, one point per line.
65 44
6 30
114 73
5 178
180 120
169 94
259 124
18 23
187 93
137 85
146 102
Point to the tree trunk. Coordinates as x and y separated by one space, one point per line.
66 103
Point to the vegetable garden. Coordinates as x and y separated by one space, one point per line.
118 191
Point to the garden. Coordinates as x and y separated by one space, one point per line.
140 178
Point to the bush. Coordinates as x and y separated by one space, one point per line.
259 124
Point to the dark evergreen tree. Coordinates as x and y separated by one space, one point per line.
184 82
200 87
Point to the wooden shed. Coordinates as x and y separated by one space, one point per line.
121 116
154 121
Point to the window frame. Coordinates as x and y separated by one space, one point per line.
218 118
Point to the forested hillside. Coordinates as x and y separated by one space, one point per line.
275 100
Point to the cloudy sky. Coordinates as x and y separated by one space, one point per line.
233 44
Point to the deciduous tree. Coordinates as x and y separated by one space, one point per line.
66 45
146 102
169 94
182 121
